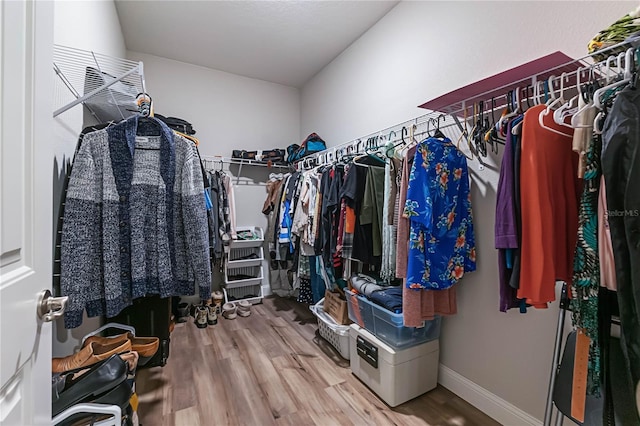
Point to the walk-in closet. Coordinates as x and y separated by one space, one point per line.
319 213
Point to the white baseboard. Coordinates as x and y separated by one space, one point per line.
485 401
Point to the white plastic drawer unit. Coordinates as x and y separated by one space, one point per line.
253 237
252 294
242 277
243 257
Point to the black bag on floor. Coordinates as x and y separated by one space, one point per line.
151 317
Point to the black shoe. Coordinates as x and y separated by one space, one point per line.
119 395
183 312
71 388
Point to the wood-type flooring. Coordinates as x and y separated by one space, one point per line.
272 368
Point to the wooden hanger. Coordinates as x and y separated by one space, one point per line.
191 138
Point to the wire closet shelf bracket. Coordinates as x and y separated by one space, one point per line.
105 85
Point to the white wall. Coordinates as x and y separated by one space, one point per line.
228 112
86 25
419 51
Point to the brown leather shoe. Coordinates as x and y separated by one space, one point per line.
131 358
89 355
145 346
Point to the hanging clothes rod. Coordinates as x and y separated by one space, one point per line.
457 110
226 160
358 145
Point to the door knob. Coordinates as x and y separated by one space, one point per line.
50 308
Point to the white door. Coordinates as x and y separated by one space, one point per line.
26 170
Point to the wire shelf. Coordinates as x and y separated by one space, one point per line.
107 86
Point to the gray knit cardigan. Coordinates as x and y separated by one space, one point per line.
135 220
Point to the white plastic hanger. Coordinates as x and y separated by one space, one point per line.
571 107
575 122
556 101
542 115
538 93
628 74
596 123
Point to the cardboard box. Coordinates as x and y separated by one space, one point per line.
336 305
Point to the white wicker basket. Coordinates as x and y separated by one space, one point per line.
332 332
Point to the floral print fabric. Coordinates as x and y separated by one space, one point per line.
441 241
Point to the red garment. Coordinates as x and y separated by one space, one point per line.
421 305
550 191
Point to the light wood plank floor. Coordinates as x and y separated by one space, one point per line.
272 368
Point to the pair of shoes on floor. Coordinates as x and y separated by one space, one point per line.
243 308
205 315
102 383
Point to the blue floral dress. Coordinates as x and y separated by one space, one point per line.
441 242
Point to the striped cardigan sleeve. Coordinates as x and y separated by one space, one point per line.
81 235
194 217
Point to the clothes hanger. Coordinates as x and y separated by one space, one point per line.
412 129
520 99
478 137
549 90
569 108
474 129
537 93
628 74
191 138
551 129
507 113
464 135
373 148
145 111
598 121
438 133
491 136
553 100
390 148
586 91
515 130
526 95
560 99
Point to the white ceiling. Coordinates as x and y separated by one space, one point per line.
284 42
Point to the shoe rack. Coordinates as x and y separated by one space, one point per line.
244 267
77 401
